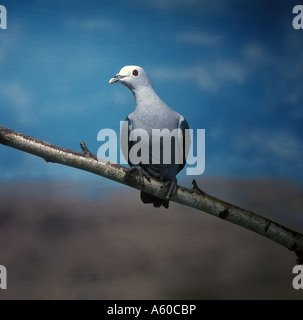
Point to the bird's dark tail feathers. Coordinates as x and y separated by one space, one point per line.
157 202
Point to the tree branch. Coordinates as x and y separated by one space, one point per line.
194 198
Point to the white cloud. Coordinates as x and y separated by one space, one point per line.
92 24
171 4
255 52
285 72
121 98
18 99
198 38
15 94
256 55
209 77
8 41
281 145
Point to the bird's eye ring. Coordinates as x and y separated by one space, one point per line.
135 73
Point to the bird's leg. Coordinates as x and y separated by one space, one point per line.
172 186
142 173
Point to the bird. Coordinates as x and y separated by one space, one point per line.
151 113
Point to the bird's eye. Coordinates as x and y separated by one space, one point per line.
135 73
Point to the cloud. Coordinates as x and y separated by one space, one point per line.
10 41
255 53
280 72
208 77
17 98
281 146
92 24
121 98
171 4
198 38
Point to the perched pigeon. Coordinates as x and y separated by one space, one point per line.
152 113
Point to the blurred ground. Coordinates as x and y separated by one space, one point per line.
57 241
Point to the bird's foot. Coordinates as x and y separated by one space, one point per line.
172 186
141 172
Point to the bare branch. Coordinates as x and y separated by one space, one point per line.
194 198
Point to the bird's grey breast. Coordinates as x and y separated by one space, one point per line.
148 119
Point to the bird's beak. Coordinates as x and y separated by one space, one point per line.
116 78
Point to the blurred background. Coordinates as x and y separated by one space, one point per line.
231 67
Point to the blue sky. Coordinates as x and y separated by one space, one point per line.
234 68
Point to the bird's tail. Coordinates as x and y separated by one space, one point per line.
157 202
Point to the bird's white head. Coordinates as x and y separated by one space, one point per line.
131 76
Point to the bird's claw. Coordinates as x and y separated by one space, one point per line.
172 186
142 173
